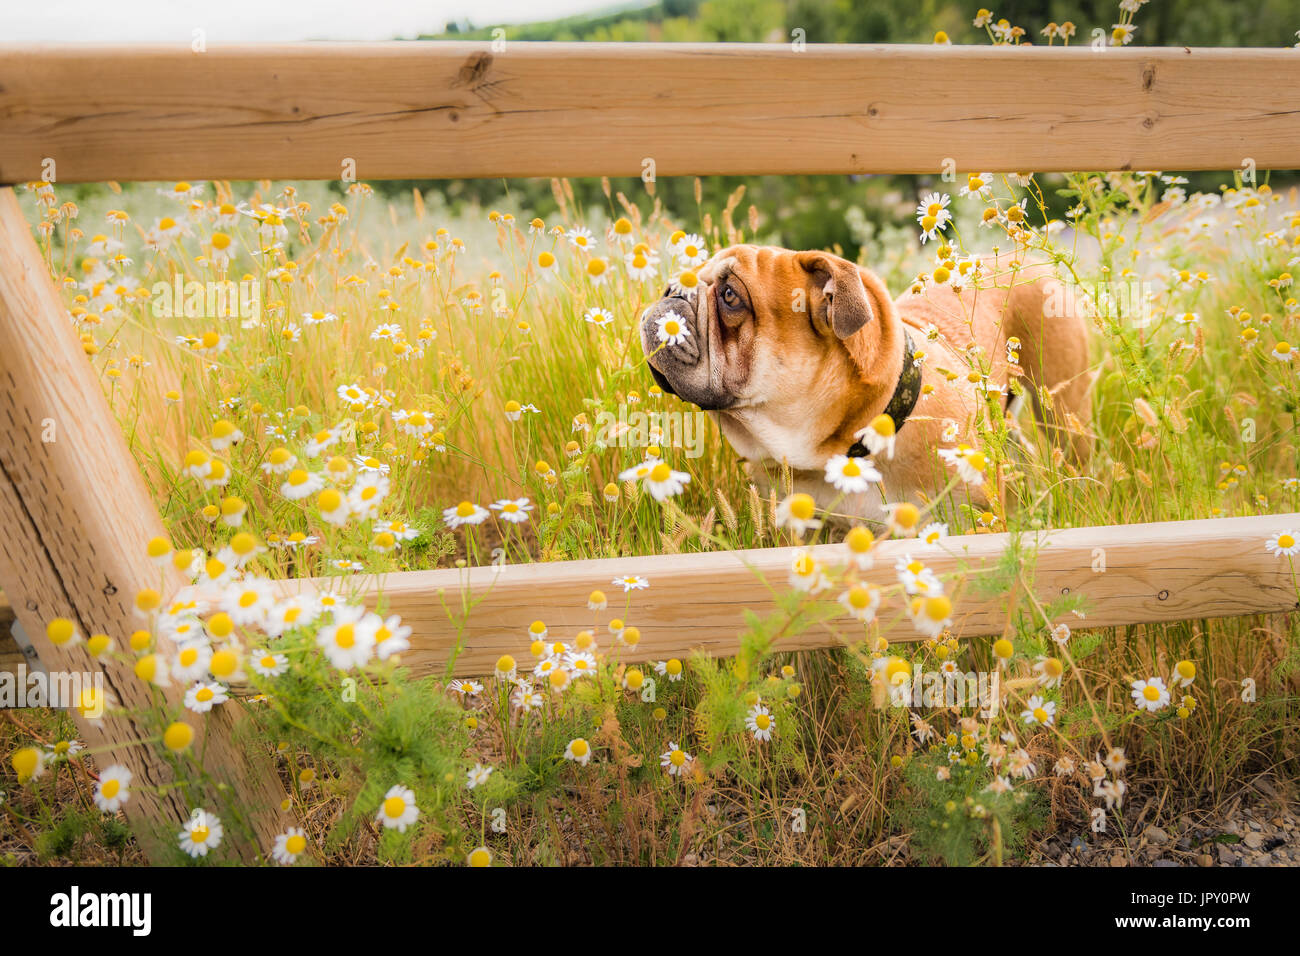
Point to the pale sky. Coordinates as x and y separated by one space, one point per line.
248 21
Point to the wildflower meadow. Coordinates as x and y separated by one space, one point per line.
323 381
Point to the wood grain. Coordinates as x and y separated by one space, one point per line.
10 654
74 520
434 109
1165 571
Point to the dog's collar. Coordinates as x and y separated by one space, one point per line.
905 396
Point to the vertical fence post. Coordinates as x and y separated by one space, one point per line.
75 517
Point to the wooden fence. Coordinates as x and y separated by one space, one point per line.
75 513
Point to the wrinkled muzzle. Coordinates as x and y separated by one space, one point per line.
675 336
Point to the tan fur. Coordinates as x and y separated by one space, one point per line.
800 392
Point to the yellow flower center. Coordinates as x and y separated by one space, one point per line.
178 736
938 608
60 630
802 506
223 663
859 540
346 636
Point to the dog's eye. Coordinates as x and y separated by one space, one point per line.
729 296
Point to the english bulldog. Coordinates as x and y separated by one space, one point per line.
796 354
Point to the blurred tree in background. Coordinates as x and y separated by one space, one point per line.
814 211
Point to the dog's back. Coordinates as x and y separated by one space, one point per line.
1029 304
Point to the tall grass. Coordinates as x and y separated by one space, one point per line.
1194 417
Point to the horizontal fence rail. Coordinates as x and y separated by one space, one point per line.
433 109
76 513
1163 571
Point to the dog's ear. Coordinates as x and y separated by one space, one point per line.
845 305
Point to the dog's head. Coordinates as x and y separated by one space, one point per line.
764 325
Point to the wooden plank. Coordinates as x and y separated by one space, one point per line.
1165 571
10 654
427 110
76 517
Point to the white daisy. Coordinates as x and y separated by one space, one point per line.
1151 694
674 760
289 845
580 663
192 660
1283 543
672 329
598 317
201 834
298 611
879 436
798 512
663 483
248 601
933 533
464 513
970 464
514 510
759 722
391 636
300 483
268 663
851 475
398 811
349 642
690 250
861 601
578 750
525 698
205 695
476 775
113 789
1039 712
